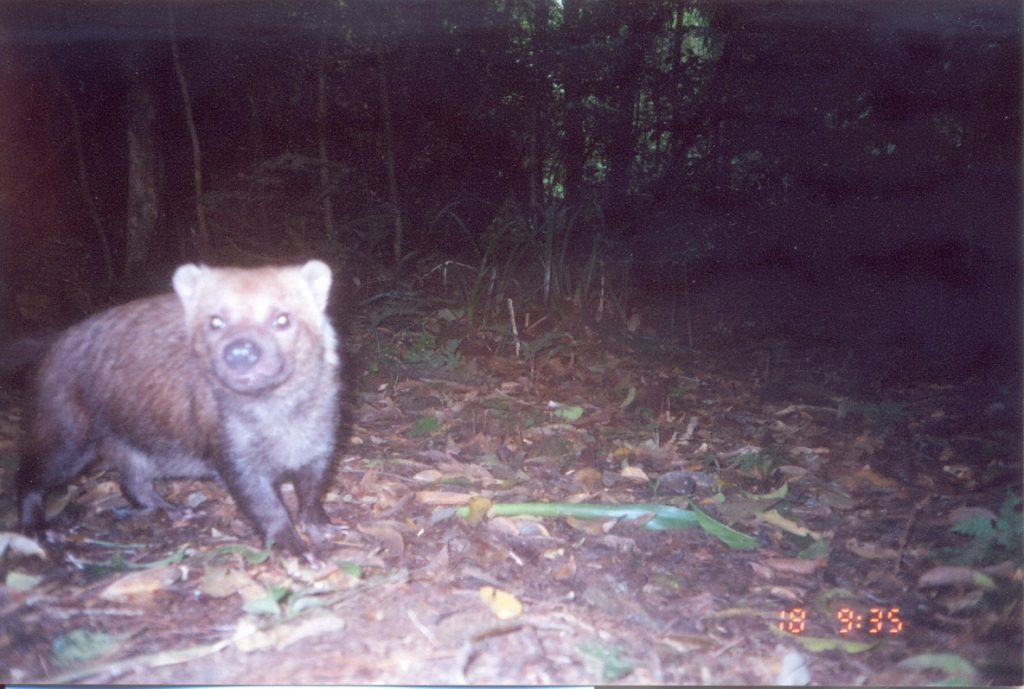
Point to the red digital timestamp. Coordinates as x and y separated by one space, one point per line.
849 620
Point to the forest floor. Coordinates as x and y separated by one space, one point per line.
849 489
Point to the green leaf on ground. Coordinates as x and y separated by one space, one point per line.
662 517
80 645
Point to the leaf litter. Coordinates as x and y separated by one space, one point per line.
643 517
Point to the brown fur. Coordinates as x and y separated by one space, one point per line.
235 376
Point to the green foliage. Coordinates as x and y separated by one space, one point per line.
9 460
550 344
549 259
403 305
117 563
655 516
282 601
269 604
761 465
956 670
644 415
479 288
420 349
989 540
565 280
424 350
610 659
570 413
425 425
683 389
629 398
251 555
80 645
352 569
817 550
710 461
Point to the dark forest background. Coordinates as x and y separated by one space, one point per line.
847 172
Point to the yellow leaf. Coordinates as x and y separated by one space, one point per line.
478 506
503 604
635 474
773 517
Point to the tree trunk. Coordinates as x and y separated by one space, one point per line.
256 128
621 152
202 232
539 95
389 153
574 154
622 137
327 203
83 180
7 309
143 211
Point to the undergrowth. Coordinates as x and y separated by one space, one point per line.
988 540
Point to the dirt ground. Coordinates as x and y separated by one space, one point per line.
849 478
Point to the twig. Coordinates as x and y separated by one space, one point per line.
515 330
905 536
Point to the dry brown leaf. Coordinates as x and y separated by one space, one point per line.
794 566
962 576
544 460
588 526
518 527
442 498
947 576
791 594
428 476
662 457
622 544
439 566
555 368
872 477
248 637
870 551
388 535
470 472
962 513
962 601
435 455
58 500
368 485
565 570
221 582
589 478
141 583
865 445
101 490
